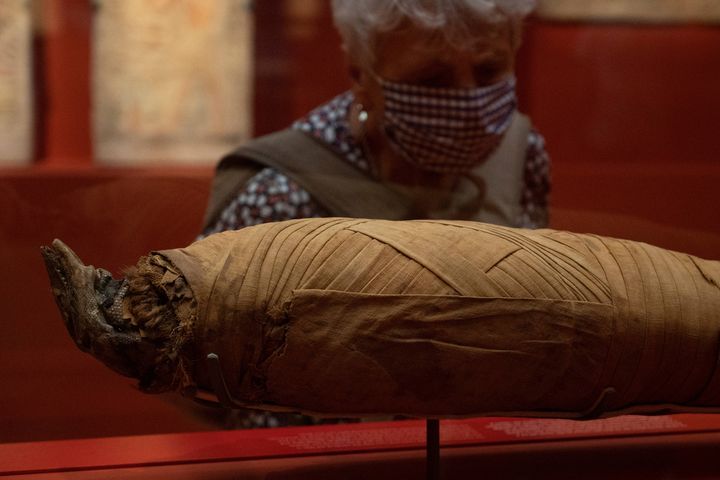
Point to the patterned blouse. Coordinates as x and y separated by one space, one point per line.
271 196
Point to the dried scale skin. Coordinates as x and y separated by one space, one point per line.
138 326
446 318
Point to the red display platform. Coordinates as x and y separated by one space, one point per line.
678 446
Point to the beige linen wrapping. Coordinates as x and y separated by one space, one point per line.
356 317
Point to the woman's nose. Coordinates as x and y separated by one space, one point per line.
464 76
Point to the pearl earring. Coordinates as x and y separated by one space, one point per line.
358 118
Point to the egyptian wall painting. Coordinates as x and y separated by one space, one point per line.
16 105
172 80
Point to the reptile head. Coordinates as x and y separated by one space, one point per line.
80 292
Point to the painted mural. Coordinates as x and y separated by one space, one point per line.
16 107
172 80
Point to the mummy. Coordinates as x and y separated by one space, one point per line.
353 317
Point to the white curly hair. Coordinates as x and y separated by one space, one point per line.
359 21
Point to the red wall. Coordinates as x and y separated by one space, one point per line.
630 115
625 94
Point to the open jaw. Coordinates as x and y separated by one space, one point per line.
83 293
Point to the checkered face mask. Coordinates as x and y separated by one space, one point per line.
449 130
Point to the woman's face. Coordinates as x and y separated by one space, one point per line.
415 56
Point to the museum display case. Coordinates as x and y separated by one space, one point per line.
629 109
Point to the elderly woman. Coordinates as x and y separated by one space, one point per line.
430 128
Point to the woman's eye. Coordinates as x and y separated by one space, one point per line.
439 79
487 74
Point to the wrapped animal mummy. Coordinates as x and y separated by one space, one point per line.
423 318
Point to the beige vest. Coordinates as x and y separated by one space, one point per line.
345 191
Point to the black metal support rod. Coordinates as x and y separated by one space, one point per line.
433 449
